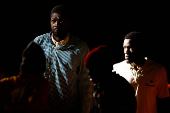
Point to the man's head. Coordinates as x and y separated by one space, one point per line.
33 60
99 62
133 46
60 20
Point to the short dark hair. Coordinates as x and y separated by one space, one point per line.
136 37
133 35
62 10
138 40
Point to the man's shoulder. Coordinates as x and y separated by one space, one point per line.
78 43
77 40
122 63
43 37
156 66
119 67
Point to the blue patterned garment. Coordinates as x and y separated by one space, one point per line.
70 85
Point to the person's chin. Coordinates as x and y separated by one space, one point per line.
127 60
56 34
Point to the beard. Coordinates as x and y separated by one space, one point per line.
56 34
61 35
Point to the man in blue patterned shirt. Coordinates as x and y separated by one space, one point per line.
71 89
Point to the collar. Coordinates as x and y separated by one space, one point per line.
140 68
62 42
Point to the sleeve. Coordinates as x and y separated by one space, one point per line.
163 91
114 68
38 40
85 87
41 39
117 68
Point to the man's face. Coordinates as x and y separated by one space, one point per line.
128 50
59 24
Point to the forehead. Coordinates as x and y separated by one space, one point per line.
127 42
55 15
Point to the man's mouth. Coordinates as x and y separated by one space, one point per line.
56 30
127 56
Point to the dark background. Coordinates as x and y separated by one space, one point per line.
96 23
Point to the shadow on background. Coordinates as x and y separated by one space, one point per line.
96 23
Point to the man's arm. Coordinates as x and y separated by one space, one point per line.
85 86
163 93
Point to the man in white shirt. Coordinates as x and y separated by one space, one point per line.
148 78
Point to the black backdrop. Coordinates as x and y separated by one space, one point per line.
102 22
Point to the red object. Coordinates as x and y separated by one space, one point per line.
168 85
93 56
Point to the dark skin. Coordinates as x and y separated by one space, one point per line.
132 54
59 26
135 57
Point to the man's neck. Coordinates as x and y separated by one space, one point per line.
139 63
59 38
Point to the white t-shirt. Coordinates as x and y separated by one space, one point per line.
149 82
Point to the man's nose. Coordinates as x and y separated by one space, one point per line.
126 50
57 23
